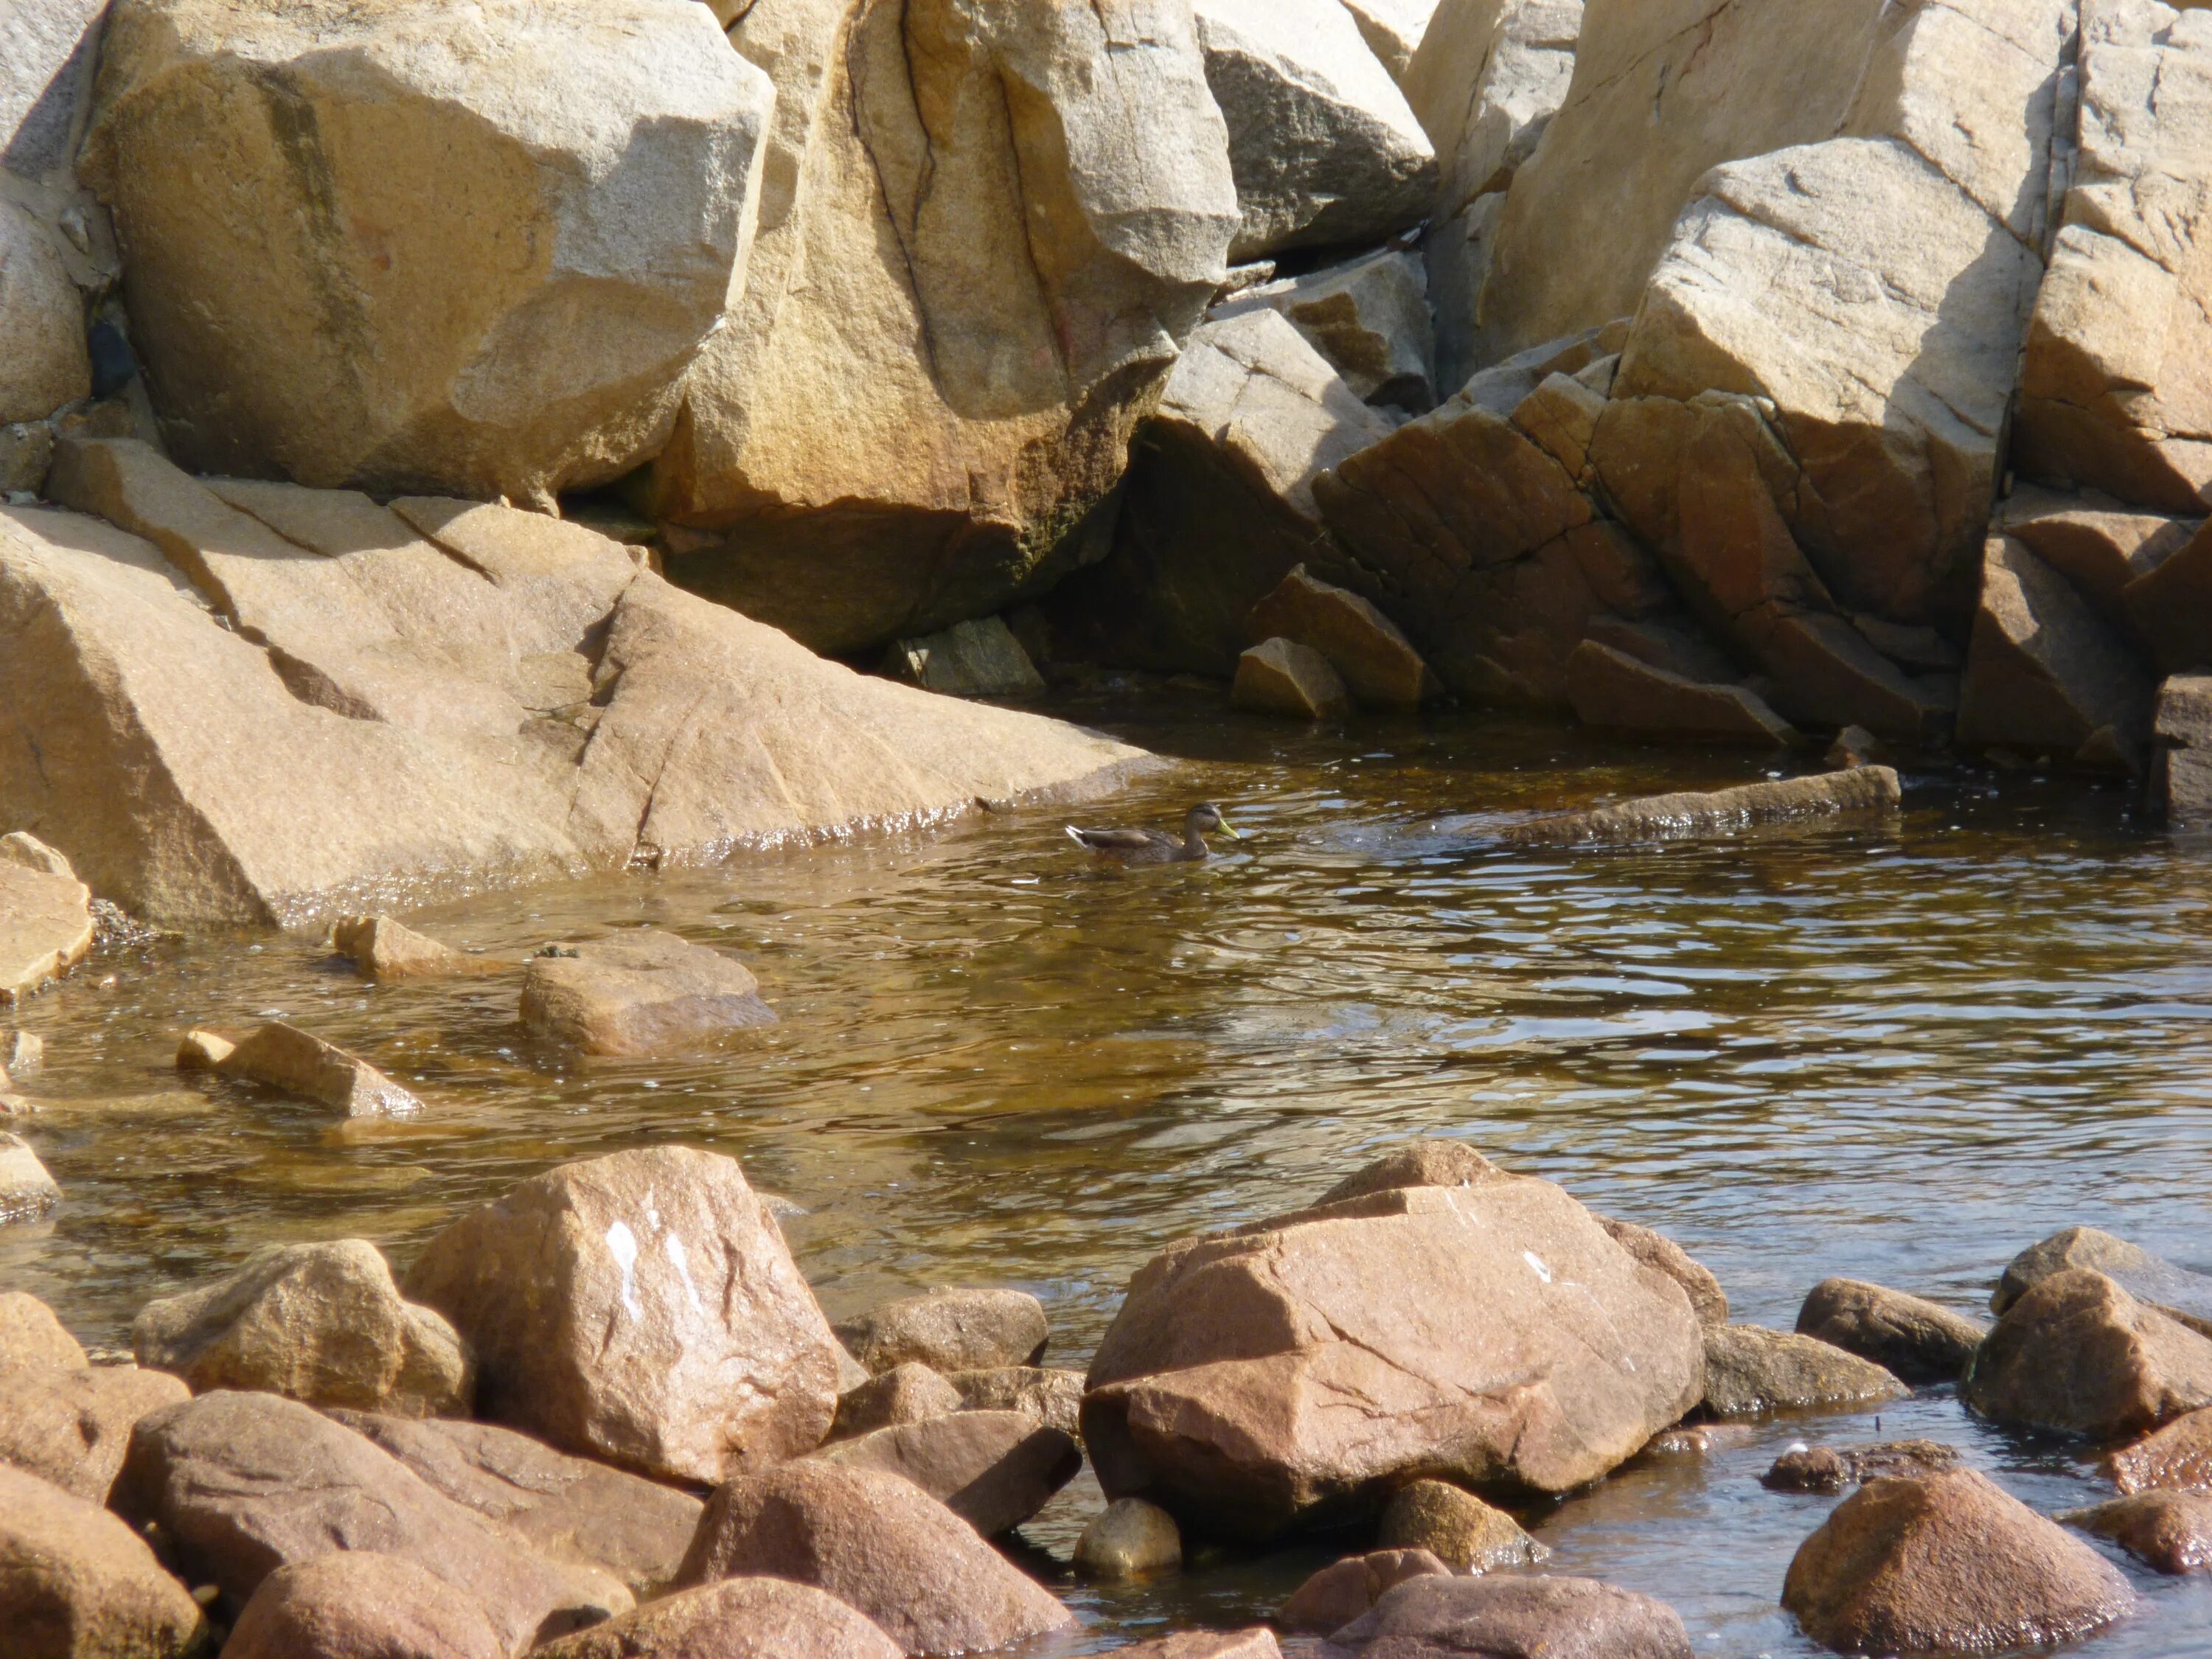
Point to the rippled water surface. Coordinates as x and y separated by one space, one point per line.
1901 1052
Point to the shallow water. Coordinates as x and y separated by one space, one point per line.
1901 1052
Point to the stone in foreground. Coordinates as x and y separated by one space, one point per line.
46 917
1920 1341
1377 662
2166 1531
26 1190
1129 1539
1457 1528
1947 1564
879 1544
1838 1468
948 1330
640 1307
1337 1594
2078 1354
993 1469
1437 1618
1658 1251
71 1425
1751 1370
385 951
321 1323
640 994
78 1583
32 1338
736 1619
358 1604
1294 1373
297 1062
1863 791
2178 1455
1281 677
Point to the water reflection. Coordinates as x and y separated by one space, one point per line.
1899 1053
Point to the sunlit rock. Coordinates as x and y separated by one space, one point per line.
1921 1341
1751 1370
75 1580
948 1330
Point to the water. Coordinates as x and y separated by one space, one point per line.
1901 1053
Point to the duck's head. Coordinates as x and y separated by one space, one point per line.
1205 818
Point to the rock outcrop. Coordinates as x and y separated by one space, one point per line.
76 1582
2078 1354
1919 1341
387 951
639 995
1045 1393
639 1308
32 1339
980 658
2180 773
988 253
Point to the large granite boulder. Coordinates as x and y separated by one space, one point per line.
978 256
43 362
306 306
877 1543
243 1484
1442 1617
78 1583
358 1604
1947 1564
411 699
640 1307
2078 1354
737 1619
1294 1372
70 1426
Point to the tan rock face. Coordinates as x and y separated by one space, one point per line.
1370 318
737 1619
315 318
299 1063
639 1308
43 363
1377 663
1921 1341
1658 1251
907 1393
1457 1528
1750 1370
948 1330
1293 1374
879 1544
2169 1531
246 1483
1337 1595
994 322
567 1508
993 1469
72 1426
1512 1613
2077 1354
361 1605
2177 1455
31 1338
75 1582
1281 677
1947 1564
641 994
46 923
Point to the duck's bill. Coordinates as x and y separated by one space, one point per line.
1228 829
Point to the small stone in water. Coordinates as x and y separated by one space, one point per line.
1457 1528
1833 1468
1127 1540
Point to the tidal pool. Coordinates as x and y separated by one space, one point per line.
1902 1052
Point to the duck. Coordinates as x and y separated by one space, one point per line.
1158 846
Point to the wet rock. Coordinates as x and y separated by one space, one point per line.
2181 751
1011 291
385 951
1816 797
1854 746
491 394
244 1484
43 364
639 994
204 1051
978 659
736 1619
569 1509
1441 1618
2178 1455
1363 167
640 1307
2166 1531
322 1323
358 1604
2174 1291
1947 1564
1294 1373
1616 692
285 1057
993 1469
1368 318
1457 1528
1838 1468
71 1425
78 1583
1750 1370
1129 1539
876 1543
1377 663
2044 674
1425 1163
1920 1341
1281 677
46 917
948 1330
2077 1354
1051 1396
31 1338
911 1393
26 1191
1337 1595
1663 1254
1698 1439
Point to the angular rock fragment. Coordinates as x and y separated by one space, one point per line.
2169 606
978 659
569 1509
1281 677
75 1582
1457 1528
1377 663
2166 1531
907 1393
2177 1455
2174 1291
876 1543
1051 1396
322 1323
286 1058
1616 692
1750 1371
948 1330
640 1307
358 1604
1337 1595
1129 1539
26 1191
1864 790
2078 1354
1920 1341
1512 1612
385 951
736 1619
993 1469
2180 782
1838 1468
71 1426
32 1339
1947 1564
1368 318
202 1051
1662 1254
638 993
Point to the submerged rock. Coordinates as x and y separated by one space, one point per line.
70 1426
737 1619
2180 1455
1921 1341
1663 1254
1281 677
385 951
26 1191
1457 1528
1339 1593
2077 1354
299 1063
2167 1531
1868 790
948 1330
359 1604
1947 1564
993 1469
640 1307
639 995
1129 1539
46 917
1838 1468
75 1582
1430 1616
1750 1371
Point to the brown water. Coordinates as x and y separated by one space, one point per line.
1901 1053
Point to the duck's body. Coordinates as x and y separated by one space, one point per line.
1157 846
